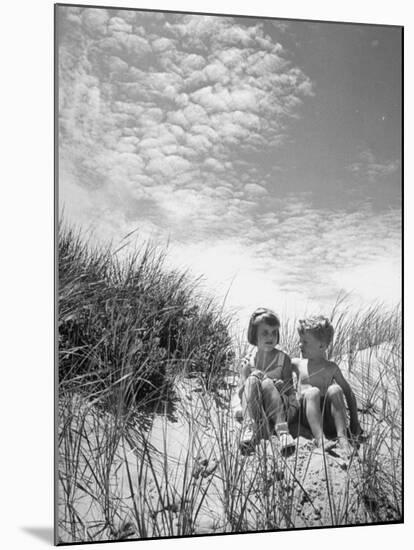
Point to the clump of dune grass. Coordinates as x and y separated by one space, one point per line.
368 346
370 326
126 328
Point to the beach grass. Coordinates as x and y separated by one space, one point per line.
148 445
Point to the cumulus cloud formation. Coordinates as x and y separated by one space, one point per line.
174 123
170 95
304 241
369 167
163 108
303 262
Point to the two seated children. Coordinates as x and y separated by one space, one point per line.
268 398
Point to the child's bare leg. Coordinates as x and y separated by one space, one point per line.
252 402
273 403
311 400
336 404
275 413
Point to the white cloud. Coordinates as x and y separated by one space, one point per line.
162 44
254 190
95 21
297 271
370 168
378 279
117 24
168 165
212 101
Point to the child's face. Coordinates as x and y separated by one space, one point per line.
310 346
267 336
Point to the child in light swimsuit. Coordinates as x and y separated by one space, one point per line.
268 399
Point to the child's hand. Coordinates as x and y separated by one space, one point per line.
356 430
357 435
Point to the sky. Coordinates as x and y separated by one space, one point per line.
266 152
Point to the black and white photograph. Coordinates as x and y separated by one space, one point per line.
229 218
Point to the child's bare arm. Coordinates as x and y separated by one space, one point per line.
294 363
350 401
245 371
295 371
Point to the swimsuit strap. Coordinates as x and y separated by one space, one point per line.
279 359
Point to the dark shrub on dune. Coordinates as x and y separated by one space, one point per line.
127 327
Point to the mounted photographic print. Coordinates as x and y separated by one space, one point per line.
229 280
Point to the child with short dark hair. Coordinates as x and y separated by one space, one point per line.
266 387
322 387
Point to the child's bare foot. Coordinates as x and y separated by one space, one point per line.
324 444
248 440
345 447
287 444
344 444
286 441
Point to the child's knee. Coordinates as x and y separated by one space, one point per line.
334 392
252 383
267 385
312 394
253 379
